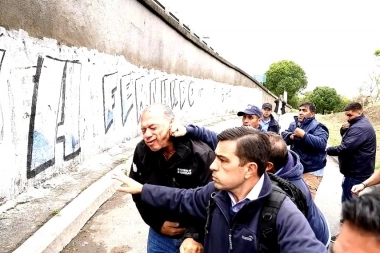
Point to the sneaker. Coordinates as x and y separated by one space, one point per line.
333 238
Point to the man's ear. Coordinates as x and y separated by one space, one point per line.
251 170
270 167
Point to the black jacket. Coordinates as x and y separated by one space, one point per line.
277 101
357 151
273 125
188 168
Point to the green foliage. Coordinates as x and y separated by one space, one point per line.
326 99
344 101
286 76
293 101
305 97
377 52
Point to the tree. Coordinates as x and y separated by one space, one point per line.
305 97
325 99
344 101
370 90
286 76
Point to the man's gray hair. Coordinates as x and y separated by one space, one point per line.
167 111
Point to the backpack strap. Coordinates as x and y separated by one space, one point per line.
210 207
268 241
295 194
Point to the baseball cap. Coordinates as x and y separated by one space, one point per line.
251 110
267 105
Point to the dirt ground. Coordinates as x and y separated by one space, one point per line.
334 122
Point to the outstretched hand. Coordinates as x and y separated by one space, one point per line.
129 185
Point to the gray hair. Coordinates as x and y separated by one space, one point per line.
166 110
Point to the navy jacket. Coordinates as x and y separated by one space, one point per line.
357 151
292 172
312 147
273 125
239 234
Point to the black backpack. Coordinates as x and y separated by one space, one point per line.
267 225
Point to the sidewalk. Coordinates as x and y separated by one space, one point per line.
47 217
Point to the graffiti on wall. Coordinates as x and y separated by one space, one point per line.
109 85
2 54
54 114
138 91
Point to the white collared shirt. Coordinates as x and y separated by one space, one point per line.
252 195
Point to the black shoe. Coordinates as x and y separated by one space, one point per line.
333 238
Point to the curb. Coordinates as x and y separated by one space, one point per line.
57 232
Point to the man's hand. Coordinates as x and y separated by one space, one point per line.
189 245
131 186
177 129
171 228
346 125
291 136
299 132
356 189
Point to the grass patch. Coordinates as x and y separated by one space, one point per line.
334 121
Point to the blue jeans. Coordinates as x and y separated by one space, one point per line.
158 243
347 184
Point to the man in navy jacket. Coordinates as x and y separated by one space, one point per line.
283 163
240 186
286 164
308 139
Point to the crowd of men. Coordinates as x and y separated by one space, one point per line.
201 191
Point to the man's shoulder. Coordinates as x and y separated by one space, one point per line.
318 126
273 121
199 146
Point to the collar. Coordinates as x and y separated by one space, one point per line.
356 119
305 120
181 145
252 195
266 121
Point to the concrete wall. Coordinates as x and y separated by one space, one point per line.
74 76
59 105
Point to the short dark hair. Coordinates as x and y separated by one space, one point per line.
309 105
279 151
363 212
353 106
251 145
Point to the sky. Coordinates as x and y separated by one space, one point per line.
332 40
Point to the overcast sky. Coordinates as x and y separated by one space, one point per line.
333 41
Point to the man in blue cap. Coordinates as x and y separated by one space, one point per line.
251 116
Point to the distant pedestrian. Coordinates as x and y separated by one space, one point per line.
279 109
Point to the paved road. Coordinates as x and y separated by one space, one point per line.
117 226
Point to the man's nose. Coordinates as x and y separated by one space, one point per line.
147 134
213 166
